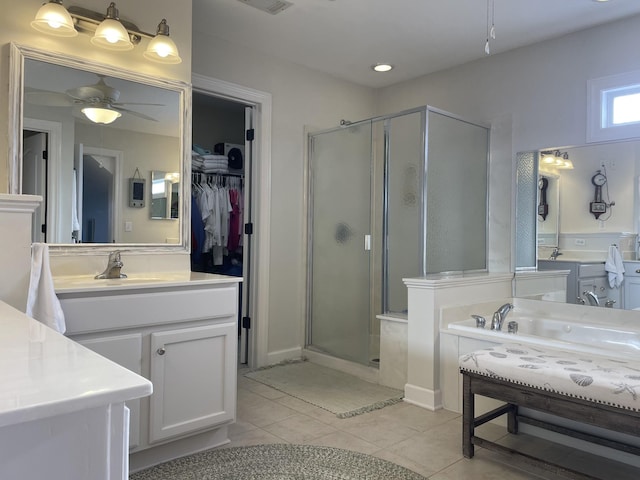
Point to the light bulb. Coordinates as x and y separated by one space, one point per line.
161 48
54 19
111 34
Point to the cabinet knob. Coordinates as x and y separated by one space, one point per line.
638 270
161 351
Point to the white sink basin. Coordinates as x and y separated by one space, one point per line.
78 283
89 281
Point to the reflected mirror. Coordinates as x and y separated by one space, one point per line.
83 130
165 195
605 174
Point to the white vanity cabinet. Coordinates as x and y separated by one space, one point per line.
180 335
631 285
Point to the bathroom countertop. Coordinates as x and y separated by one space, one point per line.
87 283
44 374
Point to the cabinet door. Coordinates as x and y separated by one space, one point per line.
125 350
193 374
631 292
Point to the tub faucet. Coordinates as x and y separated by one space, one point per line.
555 254
499 316
113 267
592 298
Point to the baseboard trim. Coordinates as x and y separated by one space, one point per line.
283 356
423 397
363 372
178 448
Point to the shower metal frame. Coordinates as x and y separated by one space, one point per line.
386 119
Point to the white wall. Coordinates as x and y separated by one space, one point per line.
144 152
577 191
301 97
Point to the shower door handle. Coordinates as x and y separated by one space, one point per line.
367 243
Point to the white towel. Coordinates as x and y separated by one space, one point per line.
75 224
614 267
42 303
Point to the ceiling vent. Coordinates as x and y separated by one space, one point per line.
270 6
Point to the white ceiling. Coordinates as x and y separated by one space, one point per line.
345 37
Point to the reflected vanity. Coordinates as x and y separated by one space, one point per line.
85 181
583 238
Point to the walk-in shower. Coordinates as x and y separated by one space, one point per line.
391 197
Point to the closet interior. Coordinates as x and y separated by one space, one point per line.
217 185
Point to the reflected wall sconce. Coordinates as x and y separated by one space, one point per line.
557 159
109 31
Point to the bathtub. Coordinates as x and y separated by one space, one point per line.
606 332
560 333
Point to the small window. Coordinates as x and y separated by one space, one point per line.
614 107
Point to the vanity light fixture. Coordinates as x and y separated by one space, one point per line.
101 113
54 19
548 157
109 31
111 34
161 48
382 67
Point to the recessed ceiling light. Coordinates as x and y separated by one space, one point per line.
382 67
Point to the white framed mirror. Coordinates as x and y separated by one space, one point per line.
84 172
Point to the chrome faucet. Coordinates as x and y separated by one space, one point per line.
113 267
555 254
499 316
592 298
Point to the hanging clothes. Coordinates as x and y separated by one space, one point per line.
217 202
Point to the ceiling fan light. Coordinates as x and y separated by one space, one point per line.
102 115
161 48
54 19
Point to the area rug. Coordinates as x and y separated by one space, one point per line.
278 461
337 392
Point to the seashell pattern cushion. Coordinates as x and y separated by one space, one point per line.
595 378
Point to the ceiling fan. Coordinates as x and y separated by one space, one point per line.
98 102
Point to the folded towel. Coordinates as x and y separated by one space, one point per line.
614 267
42 303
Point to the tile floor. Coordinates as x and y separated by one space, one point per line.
426 442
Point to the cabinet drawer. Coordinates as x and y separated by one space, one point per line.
109 312
591 270
632 269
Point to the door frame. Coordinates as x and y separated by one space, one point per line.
54 168
261 208
117 157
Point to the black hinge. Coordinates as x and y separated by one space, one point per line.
43 228
45 155
248 228
246 322
250 133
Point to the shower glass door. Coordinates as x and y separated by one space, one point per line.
340 243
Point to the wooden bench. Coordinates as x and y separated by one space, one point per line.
593 390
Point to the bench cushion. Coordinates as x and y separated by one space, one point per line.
594 378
